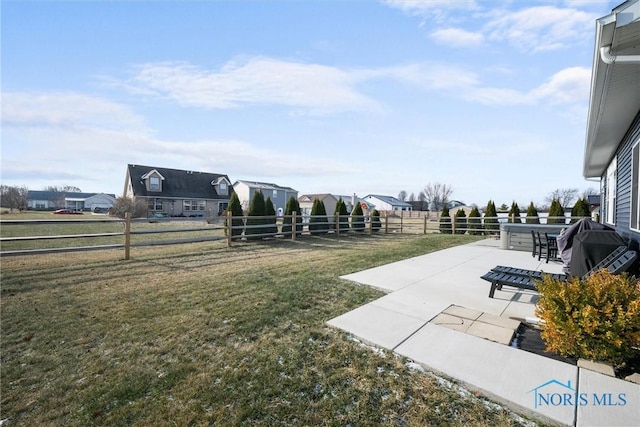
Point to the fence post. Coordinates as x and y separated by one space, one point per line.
386 223
337 224
229 228
401 220
127 235
425 225
294 226
371 222
453 224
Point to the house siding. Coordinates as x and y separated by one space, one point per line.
623 183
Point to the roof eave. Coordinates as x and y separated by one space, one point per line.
604 112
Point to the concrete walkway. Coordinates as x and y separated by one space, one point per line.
438 313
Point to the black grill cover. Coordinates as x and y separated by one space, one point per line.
590 247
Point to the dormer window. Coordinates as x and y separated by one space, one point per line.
154 183
222 185
153 180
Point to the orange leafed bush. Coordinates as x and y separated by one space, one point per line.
596 318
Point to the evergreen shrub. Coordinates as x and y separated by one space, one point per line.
291 207
514 214
237 223
342 216
271 225
556 213
491 218
318 223
376 224
532 215
357 218
596 318
445 220
474 222
461 221
254 216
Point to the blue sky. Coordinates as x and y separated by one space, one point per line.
489 97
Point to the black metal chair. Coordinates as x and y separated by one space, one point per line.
552 247
536 246
541 246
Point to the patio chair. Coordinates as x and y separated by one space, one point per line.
617 262
551 246
536 246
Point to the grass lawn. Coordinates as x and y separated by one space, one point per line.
202 334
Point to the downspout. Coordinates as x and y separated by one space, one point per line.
609 58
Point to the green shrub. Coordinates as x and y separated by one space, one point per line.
445 221
597 318
580 210
254 216
341 215
514 214
318 223
237 223
532 215
376 224
357 218
491 218
271 225
474 222
461 221
292 206
556 213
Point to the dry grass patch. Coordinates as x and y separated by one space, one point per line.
205 335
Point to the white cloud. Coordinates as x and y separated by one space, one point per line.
568 86
437 10
541 28
315 88
456 37
56 108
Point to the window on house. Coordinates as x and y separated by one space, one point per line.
186 205
610 191
275 194
154 183
223 188
156 205
202 205
635 187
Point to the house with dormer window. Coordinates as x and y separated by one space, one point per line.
176 192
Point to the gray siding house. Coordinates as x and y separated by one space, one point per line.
50 200
176 192
278 195
612 147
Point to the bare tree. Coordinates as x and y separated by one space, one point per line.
565 196
412 197
63 189
436 195
590 192
402 195
14 197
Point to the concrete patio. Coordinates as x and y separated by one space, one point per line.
438 313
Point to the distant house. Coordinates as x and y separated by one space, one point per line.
612 146
50 200
176 192
387 203
306 202
278 195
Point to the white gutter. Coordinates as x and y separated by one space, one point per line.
609 58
